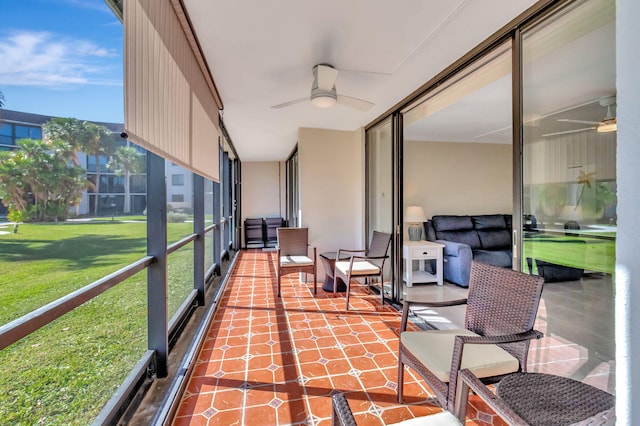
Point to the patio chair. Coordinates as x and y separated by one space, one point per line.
293 254
343 416
370 263
502 305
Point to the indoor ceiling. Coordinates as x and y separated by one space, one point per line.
262 54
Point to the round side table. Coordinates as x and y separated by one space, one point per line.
329 262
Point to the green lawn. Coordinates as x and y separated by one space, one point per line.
65 372
591 254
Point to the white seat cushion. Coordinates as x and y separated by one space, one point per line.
295 261
434 348
444 418
359 268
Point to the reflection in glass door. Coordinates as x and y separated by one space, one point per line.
379 211
569 170
293 196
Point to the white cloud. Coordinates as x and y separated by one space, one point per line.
45 59
99 5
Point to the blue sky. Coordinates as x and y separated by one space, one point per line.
62 58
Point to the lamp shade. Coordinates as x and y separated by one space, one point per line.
415 214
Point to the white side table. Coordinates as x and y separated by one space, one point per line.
421 251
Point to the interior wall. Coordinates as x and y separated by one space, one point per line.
331 166
458 178
262 193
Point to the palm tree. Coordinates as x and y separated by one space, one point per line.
126 160
1 103
98 141
13 189
69 130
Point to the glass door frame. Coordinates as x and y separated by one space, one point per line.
510 32
395 253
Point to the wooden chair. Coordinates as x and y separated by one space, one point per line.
293 254
369 264
502 305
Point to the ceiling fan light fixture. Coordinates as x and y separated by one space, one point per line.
324 101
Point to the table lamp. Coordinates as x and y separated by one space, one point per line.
415 216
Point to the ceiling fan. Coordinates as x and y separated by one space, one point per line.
324 94
608 124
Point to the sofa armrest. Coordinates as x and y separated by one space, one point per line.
454 249
457 262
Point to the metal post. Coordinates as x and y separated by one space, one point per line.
226 203
217 253
518 146
198 244
157 291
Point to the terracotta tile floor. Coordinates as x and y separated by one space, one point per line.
276 361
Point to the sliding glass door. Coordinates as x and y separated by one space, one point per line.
457 161
569 150
569 172
380 189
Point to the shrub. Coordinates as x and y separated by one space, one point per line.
176 217
17 216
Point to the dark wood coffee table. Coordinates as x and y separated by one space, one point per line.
329 262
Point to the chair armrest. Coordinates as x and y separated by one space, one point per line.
341 413
467 380
458 347
407 304
369 257
347 251
494 340
435 304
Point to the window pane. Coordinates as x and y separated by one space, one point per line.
35 132
569 160
138 184
66 371
22 132
6 130
177 180
180 276
179 204
208 220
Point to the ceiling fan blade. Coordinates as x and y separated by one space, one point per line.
359 104
326 76
568 120
568 132
286 104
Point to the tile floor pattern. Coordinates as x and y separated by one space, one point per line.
271 361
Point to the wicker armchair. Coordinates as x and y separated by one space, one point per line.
293 254
342 416
363 264
540 399
501 310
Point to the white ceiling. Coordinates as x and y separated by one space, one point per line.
261 53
